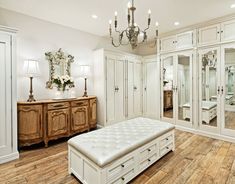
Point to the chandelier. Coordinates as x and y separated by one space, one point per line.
132 33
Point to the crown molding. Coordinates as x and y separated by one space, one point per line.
8 29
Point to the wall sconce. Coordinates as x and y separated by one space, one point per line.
31 69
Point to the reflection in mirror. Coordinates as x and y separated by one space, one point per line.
229 98
209 91
183 88
168 87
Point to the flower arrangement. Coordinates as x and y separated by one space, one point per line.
63 82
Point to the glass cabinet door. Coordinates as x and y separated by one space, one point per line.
227 90
209 96
168 83
184 89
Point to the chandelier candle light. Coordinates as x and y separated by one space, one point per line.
132 32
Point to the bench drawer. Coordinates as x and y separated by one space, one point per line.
121 167
148 151
147 162
166 140
125 178
166 149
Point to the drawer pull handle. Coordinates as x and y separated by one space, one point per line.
58 105
123 178
149 150
123 165
149 160
167 147
167 139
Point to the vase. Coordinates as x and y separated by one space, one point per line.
61 94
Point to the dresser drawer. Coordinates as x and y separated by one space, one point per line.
80 103
146 152
166 140
60 105
125 178
119 168
166 149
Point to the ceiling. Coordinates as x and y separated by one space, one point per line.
77 13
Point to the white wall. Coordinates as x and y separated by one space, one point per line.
35 37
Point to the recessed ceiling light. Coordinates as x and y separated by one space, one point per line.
94 16
176 23
232 6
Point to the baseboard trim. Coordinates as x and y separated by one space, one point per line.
10 157
206 134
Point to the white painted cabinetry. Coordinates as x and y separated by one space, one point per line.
134 83
176 42
118 86
151 87
8 124
217 33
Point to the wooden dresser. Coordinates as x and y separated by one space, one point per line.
47 120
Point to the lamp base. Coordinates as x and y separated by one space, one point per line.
85 94
31 98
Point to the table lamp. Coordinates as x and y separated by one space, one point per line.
31 69
85 72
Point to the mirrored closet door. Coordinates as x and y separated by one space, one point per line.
177 88
227 89
209 89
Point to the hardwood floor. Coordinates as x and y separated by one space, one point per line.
197 159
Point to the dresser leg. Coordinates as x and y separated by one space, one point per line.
46 144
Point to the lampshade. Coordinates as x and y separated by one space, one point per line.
31 68
85 71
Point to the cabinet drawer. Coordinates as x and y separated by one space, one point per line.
166 140
58 105
148 151
125 178
148 161
119 168
80 103
166 149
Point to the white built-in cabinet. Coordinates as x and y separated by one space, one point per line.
115 88
176 42
217 33
117 85
8 123
151 87
134 87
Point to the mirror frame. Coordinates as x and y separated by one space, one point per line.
58 58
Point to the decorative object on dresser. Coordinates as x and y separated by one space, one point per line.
85 72
31 69
59 65
47 120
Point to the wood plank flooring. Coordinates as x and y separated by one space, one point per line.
197 159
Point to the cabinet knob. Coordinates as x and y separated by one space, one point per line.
123 165
149 160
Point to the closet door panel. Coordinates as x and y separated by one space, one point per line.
228 93
130 89
150 89
209 90
137 89
110 90
5 97
228 31
120 90
209 35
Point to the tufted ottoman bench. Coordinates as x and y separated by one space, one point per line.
118 153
